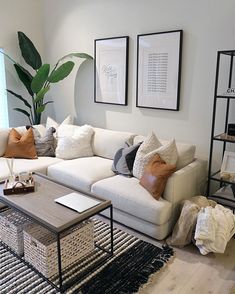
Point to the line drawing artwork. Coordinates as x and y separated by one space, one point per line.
111 70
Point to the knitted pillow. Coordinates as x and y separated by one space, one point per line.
146 151
156 175
21 146
124 160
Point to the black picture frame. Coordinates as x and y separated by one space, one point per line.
111 70
159 59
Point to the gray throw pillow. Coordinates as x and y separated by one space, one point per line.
124 160
45 145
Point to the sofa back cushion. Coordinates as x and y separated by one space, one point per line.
186 152
105 142
4 134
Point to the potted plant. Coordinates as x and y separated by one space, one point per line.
38 80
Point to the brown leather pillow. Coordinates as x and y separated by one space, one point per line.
21 146
156 175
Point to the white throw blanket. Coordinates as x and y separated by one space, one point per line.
215 227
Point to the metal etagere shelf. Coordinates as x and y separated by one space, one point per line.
226 193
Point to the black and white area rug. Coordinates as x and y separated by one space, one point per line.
134 261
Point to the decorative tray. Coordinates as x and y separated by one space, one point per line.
18 187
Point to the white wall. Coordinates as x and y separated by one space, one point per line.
23 15
208 26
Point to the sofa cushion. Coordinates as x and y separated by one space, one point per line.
144 154
74 141
21 146
156 175
81 173
52 123
4 133
21 165
124 160
186 152
45 144
129 196
105 143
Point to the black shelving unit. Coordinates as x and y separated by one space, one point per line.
226 193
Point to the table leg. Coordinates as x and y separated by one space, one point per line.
111 228
59 263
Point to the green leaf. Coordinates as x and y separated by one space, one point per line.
41 94
22 111
61 72
25 77
29 52
79 55
41 108
40 78
26 103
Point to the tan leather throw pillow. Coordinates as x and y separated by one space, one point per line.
21 146
156 175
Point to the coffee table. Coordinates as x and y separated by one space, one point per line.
41 208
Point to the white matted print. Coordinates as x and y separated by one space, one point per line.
111 70
159 69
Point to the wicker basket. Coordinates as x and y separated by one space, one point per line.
40 247
11 230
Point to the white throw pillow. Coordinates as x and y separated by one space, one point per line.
144 154
52 123
74 141
168 152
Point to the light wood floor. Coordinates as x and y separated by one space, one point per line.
190 272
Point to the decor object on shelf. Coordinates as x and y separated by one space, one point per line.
111 70
38 83
226 175
159 70
227 171
231 129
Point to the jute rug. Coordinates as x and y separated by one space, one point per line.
134 261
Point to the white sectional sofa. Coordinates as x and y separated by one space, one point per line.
133 205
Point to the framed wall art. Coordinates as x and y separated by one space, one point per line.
159 70
111 70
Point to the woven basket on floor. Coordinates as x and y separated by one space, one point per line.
11 229
40 247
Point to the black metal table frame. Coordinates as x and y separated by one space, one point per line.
63 287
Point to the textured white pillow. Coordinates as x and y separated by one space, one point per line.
168 152
74 141
144 154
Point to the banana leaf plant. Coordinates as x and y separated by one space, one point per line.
38 80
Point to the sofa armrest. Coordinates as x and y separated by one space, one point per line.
186 182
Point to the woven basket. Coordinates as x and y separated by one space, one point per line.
40 247
11 230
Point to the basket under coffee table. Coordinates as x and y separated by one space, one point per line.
40 207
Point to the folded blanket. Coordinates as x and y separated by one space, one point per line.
183 231
215 227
